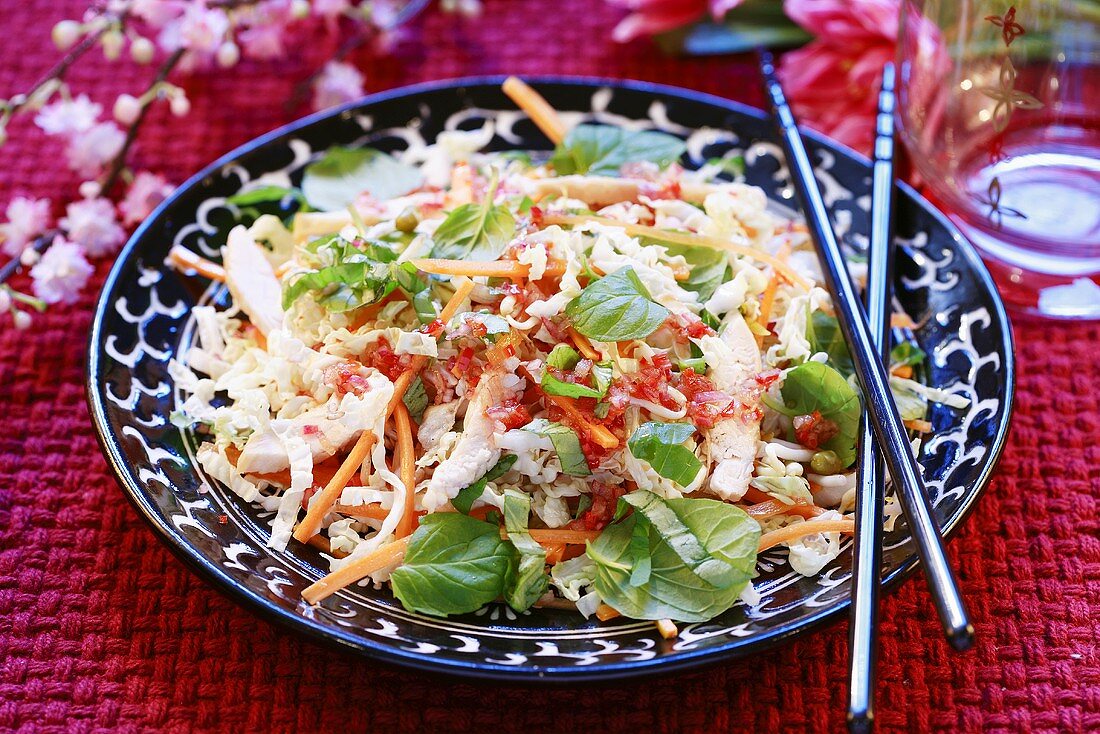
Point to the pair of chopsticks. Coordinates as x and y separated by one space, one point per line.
884 437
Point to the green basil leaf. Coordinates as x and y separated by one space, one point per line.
673 590
908 354
475 231
416 399
680 539
267 195
661 446
419 292
564 357
694 363
566 445
617 307
527 580
454 564
709 268
824 334
464 500
815 386
342 174
602 150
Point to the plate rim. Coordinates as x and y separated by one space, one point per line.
476 669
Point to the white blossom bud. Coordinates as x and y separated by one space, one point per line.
65 33
112 44
22 319
179 104
29 257
3 134
228 54
142 50
90 189
299 9
5 300
127 109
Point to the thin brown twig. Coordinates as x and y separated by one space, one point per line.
118 163
13 266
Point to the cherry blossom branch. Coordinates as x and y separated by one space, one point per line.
118 164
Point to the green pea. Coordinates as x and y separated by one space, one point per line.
407 220
825 462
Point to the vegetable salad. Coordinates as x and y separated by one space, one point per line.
593 380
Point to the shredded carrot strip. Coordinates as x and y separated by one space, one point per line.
373 511
561 535
183 259
554 552
584 346
323 502
766 303
536 107
322 544
406 456
360 568
902 370
802 529
604 613
685 238
472 269
667 629
901 321
919 426
772 507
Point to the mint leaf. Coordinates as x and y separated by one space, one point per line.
815 386
419 292
464 500
527 579
416 399
475 231
661 446
334 181
566 445
454 564
907 353
824 334
709 268
672 590
617 307
564 357
346 274
602 150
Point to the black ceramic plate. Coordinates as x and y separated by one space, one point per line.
142 322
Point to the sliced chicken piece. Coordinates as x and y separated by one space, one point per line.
598 191
733 360
326 428
476 452
252 281
437 420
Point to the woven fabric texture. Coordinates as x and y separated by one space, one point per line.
101 629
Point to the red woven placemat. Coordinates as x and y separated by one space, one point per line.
102 629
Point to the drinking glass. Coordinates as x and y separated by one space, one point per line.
999 108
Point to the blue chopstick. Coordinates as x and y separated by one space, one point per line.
871 484
888 429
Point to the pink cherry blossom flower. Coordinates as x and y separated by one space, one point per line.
199 29
145 193
27 218
338 83
263 41
156 12
649 17
329 9
68 116
61 272
90 150
833 81
91 223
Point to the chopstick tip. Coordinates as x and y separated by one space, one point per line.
961 638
